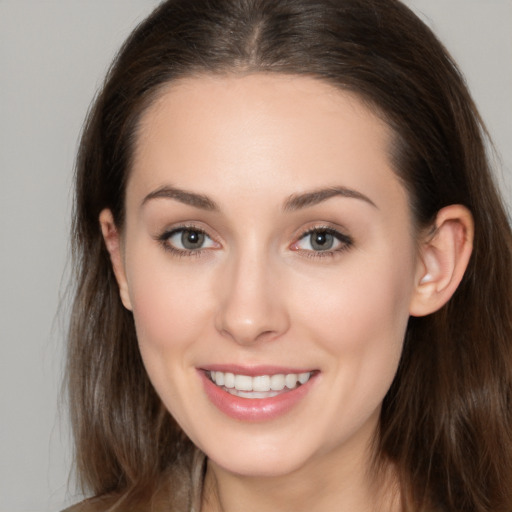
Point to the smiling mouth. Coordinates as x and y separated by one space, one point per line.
259 386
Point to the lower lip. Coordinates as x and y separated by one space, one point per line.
254 409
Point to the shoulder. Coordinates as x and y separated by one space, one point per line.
120 504
157 503
178 490
162 498
102 504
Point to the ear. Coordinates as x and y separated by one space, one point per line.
443 259
113 244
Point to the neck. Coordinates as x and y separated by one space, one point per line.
322 485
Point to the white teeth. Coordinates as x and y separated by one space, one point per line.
243 383
253 394
304 377
229 379
277 382
260 383
290 380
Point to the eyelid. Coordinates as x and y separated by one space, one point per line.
345 240
164 237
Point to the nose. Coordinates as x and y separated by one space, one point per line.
251 306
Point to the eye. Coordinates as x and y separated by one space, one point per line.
320 240
185 240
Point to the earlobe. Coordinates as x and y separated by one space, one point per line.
113 243
443 259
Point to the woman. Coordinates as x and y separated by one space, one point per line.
293 269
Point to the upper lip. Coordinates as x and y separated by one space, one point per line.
253 371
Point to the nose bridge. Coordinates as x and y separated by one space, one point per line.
251 308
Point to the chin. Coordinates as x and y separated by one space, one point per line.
259 456
259 465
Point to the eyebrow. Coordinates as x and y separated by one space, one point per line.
299 201
293 203
190 198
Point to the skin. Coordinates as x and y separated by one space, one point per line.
258 293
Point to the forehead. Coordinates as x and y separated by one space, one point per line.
243 134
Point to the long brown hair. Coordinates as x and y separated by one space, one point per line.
446 422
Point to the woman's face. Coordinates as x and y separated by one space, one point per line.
268 247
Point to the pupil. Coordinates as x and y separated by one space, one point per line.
192 239
322 241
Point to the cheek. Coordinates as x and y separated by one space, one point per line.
366 312
170 307
171 314
360 316
360 322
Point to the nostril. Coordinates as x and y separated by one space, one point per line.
249 310
247 335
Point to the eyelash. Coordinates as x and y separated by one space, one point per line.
345 241
164 238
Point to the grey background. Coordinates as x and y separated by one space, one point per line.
53 55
